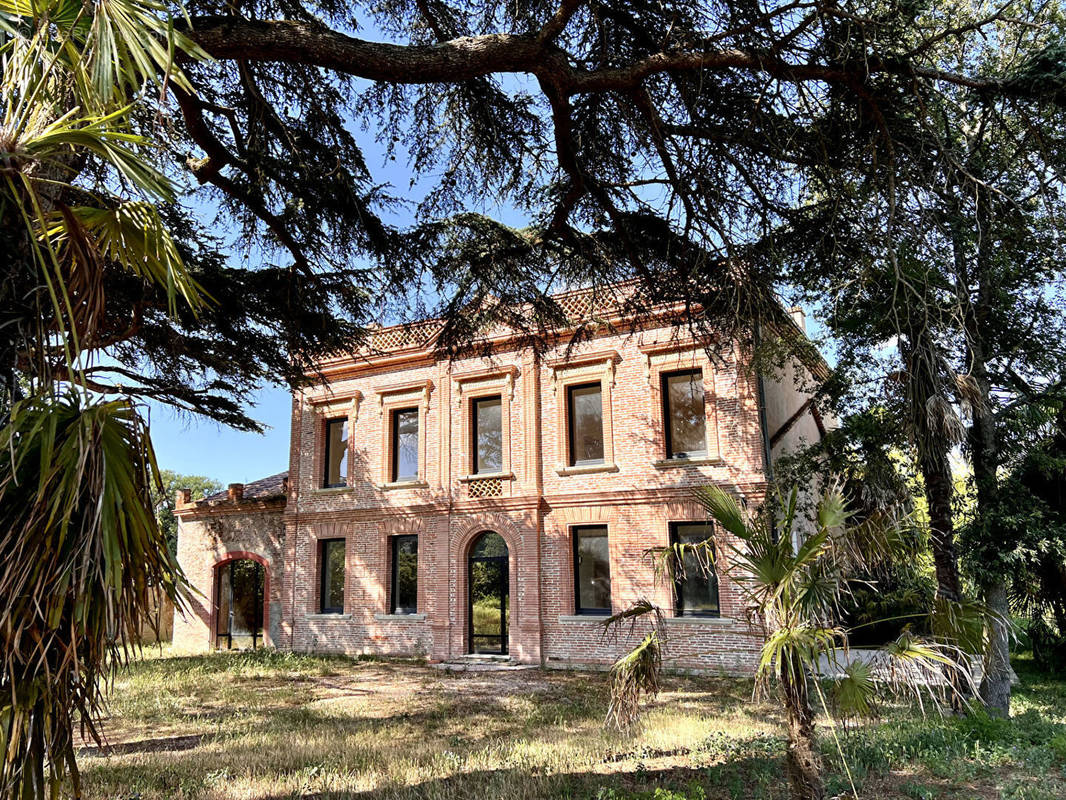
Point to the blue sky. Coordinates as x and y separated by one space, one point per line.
196 446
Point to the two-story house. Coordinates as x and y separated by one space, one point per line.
499 504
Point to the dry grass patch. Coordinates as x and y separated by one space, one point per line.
273 725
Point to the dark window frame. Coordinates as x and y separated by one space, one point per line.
571 458
503 563
575 537
394 441
325 454
225 570
474 450
664 378
679 581
323 546
393 594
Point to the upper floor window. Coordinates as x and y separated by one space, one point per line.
405 444
592 570
331 565
684 414
404 574
695 581
584 405
488 435
336 460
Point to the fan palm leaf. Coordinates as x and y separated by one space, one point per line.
83 563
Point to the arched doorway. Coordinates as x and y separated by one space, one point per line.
488 595
239 587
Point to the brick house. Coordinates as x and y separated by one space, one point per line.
498 504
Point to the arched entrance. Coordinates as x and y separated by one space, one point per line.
239 585
488 595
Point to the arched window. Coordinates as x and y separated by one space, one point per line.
488 594
239 586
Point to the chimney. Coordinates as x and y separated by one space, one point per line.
182 498
235 492
799 318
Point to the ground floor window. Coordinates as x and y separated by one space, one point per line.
331 561
404 574
239 610
695 581
592 570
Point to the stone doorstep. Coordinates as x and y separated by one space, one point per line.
476 662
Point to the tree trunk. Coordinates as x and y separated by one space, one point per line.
921 361
985 457
995 687
804 761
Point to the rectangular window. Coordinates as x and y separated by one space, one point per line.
684 414
488 435
695 581
405 444
331 563
404 574
336 453
592 570
585 422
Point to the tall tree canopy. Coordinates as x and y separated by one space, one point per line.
693 147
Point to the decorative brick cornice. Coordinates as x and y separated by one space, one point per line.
226 507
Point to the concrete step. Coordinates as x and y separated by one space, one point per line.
479 662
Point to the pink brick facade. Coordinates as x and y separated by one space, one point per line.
533 503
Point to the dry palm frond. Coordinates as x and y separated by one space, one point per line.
969 393
943 420
634 676
643 607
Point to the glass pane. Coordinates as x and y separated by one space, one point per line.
247 578
489 545
686 414
405 445
488 435
337 452
225 598
586 425
593 569
489 605
405 575
697 584
333 575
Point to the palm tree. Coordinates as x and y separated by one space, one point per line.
793 585
82 559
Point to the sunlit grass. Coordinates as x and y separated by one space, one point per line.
273 725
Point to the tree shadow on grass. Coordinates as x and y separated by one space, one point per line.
750 778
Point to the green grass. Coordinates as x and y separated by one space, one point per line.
272 725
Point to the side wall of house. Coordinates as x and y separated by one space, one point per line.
207 539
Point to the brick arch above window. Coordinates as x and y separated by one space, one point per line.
404 525
476 524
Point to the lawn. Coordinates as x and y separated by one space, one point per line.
272 725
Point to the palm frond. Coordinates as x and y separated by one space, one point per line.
83 562
723 508
120 45
854 690
635 676
133 236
